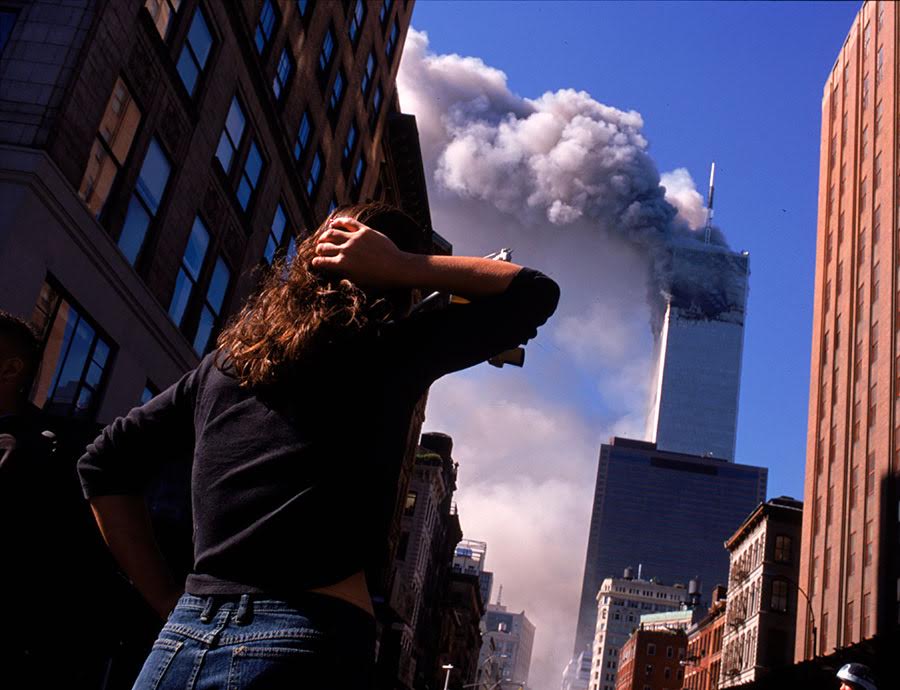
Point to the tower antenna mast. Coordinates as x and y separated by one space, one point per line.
707 235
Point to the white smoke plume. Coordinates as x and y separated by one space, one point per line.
569 184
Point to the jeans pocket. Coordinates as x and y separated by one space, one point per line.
276 664
158 661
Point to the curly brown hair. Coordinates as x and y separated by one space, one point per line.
296 311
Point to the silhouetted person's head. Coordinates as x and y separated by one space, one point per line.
19 359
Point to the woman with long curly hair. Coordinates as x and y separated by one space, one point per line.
297 424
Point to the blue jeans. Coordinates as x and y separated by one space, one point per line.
241 642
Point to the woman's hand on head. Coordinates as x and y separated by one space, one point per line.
359 253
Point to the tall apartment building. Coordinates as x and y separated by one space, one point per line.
763 599
698 351
850 562
703 664
669 511
509 639
429 528
620 603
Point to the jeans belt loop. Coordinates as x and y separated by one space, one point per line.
244 610
206 614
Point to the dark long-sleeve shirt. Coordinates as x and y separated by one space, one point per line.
292 488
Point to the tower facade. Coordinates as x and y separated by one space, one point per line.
849 565
699 342
670 512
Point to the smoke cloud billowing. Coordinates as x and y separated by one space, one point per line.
569 184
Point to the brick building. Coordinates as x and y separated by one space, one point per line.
429 531
703 664
651 660
850 564
155 155
763 599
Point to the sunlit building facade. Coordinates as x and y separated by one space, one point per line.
850 564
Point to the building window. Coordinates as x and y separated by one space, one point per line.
282 74
409 505
851 550
195 52
349 145
162 12
867 615
356 21
304 134
249 176
337 95
376 105
276 234
876 179
111 146
231 135
651 649
870 474
315 175
879 66
145 201
265 27
782 549
402 546
649 670
385 12
359 173
326 53
826 572
75 357
212 306
849 623
368 75
779 596
879 111
189 271
390 45
867 547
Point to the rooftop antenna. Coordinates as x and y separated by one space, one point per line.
499 595
709 204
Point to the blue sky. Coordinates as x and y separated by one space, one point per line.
740 83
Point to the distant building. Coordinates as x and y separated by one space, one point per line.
681 619
703 664
509 637
429 529
621 602
669 511
577 674
460 632
699 343
763 601
651 660
850 565
469 557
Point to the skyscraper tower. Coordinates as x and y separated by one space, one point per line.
699 342
849 564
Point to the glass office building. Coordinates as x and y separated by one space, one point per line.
668 512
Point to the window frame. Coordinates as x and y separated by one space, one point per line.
109 153
194 92
283 82
260 30
137 195
59 296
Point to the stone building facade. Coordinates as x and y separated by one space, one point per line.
763 599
